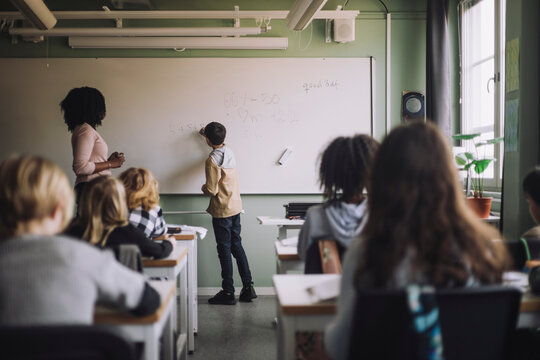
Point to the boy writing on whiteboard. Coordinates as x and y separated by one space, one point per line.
225 207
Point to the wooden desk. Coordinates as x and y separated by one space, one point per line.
147 329
189 240
282 224
296 313
174 268
287 258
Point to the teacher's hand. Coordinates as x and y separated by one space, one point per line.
116 159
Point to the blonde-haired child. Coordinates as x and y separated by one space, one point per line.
102 220
61 279
142 196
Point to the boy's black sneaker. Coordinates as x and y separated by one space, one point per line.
247 294
222 298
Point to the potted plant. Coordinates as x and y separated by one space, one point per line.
475 165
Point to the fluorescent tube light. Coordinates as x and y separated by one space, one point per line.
180 14
302 12
36 12
167 31
178 43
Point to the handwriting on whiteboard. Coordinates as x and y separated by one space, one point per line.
321 84
252 111
256 110
179 127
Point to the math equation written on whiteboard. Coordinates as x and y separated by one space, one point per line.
256 109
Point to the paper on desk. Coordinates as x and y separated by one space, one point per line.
516 278
327 289
292 241
198 229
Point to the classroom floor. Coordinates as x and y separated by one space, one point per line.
242 331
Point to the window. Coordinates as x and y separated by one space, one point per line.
482 86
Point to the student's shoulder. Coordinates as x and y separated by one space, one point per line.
315 211
532 233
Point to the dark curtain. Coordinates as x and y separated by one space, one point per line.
438 65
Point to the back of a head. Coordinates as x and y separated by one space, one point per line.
215 132
416 203
413 171
344 167
83 105
531 185
141 188
31 188
102 208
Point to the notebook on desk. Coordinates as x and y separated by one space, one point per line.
325 290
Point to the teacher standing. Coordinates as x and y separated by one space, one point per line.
84 110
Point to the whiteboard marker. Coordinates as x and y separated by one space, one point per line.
284 157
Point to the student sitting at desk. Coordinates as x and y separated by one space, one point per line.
50 279
102 220
142 196
342 175
531 189
419 230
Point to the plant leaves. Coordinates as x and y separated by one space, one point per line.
461 159
470 156
468 166
489 142
495 140
465 136
481 165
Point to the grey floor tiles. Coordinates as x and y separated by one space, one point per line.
240 332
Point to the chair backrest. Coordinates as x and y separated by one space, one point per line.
324 254
330 257
517 253
63 342
129 255
476 323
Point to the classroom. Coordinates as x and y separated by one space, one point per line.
297 97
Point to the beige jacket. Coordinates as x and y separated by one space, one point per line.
222 187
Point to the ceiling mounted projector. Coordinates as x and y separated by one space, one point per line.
36 12
302 13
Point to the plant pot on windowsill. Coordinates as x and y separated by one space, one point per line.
472 161
481 206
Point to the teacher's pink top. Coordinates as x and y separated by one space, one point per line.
89 148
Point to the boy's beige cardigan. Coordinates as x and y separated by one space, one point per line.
222 187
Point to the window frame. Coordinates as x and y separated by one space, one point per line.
494 183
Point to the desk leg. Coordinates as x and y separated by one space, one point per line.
286 338
151 343
194 304
185 325
168 347
282 232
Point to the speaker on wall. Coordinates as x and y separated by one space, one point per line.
343 30
412 106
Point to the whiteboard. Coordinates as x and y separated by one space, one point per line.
155 108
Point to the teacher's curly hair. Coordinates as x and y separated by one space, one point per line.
83 105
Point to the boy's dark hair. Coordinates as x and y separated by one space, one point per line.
531 185
344 166
215 132
83 105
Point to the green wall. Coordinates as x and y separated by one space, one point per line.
407 69
522 23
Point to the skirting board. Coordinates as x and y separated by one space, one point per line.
211 291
